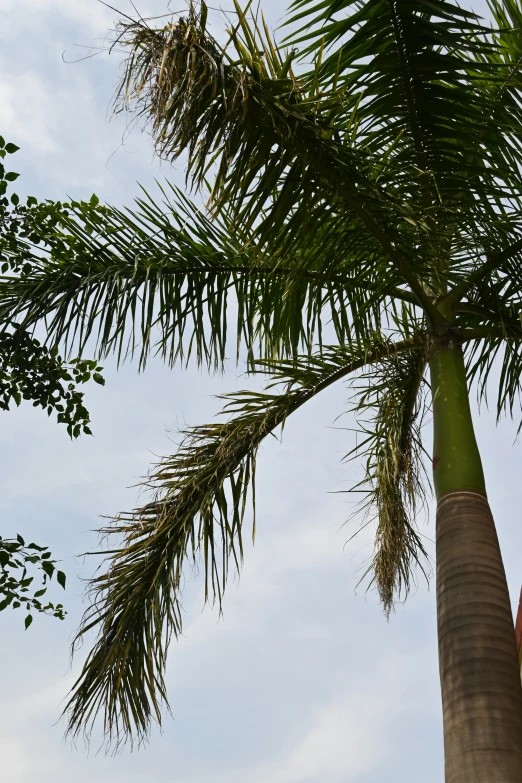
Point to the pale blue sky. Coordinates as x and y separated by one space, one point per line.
302 681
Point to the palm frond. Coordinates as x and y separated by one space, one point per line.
389 139
390 406
414 65
197 512
501 357
278 144
163 277
507 56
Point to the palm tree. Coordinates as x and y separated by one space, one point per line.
366 174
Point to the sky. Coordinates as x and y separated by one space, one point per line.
302 680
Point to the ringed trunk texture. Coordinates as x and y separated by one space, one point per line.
478 659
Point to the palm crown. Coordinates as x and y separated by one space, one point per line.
364 174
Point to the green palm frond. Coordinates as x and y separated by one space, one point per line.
389 139
163 277
507 55
390 406
278 144
415 65
501 357
197 512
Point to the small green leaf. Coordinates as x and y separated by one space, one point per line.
97 378
5 603
11 148
11 176
60 576
48 568
28 621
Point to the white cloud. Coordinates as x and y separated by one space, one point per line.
91 13
15 762
26 114
338 747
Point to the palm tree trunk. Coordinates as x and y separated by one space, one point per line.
478 660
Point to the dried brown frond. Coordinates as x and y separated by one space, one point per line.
272 135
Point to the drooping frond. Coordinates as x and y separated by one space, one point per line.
500 358
390 405
197 513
